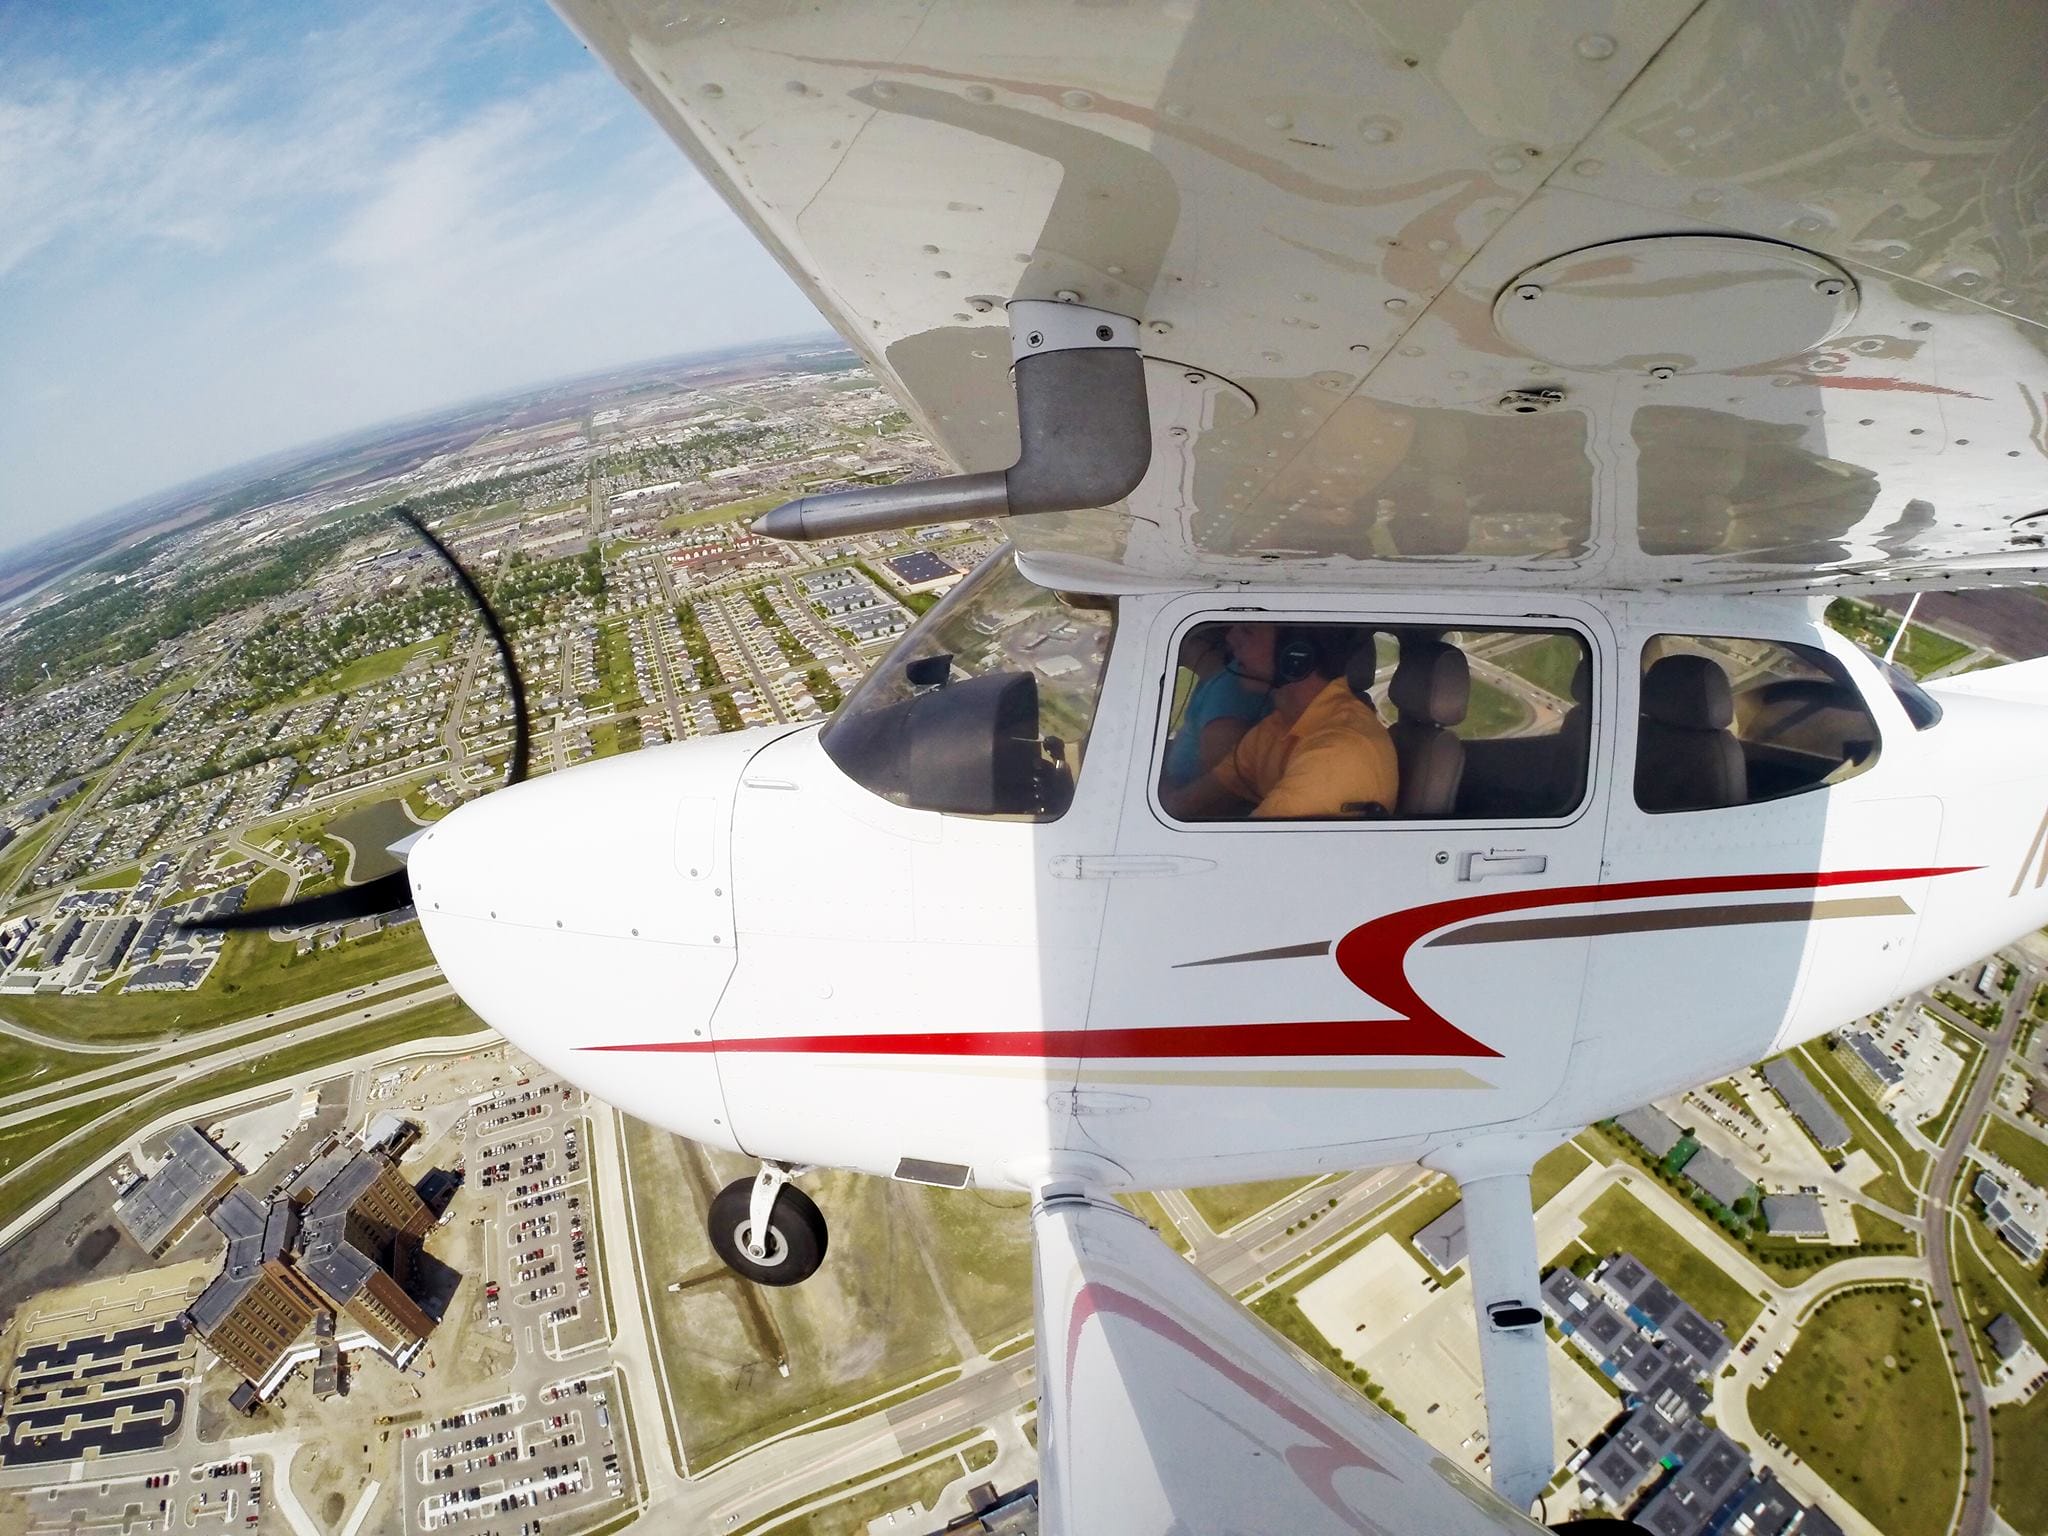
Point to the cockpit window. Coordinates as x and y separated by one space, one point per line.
1728 722
1362 722
984 708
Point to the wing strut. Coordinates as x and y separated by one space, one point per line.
1165 1407
1514 1360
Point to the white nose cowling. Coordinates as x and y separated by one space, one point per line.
588 916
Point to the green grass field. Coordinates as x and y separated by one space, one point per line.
1873 1228
24 1066
376 667
1225 1205
1865 1397
1546 662
1555 1169
1618 1222
147 710
1985 1293
1492 712
865 1325
732 511
1921 652
983 1248
2019 1472
19 1143
2028 1155
24 850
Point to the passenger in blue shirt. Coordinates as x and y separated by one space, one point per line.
1220 709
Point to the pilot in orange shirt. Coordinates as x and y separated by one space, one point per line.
1321 752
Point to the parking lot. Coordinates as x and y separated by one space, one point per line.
525 1151
208 1496
549 1453
520 1464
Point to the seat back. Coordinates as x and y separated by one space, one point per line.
1574 741
1686 757
1432 687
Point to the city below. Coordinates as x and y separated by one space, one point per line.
294 1243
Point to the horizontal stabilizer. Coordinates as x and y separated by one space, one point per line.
1165 1406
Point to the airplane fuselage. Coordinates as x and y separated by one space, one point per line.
736 940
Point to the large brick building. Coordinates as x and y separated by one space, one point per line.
257 1308
340 1243
362 1233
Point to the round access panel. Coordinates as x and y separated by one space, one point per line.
1682 303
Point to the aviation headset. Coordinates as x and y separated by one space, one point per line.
1295 654
1302 649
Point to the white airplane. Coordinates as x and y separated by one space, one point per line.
1533 375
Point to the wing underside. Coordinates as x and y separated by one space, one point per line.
1164 1406
1734 294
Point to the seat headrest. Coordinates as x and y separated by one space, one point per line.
1689 692
1362 670
1432 683
1582 681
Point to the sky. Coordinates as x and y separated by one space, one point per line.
230 227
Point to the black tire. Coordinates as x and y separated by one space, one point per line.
796 1235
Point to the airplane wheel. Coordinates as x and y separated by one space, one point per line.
796 1234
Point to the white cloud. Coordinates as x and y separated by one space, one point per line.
234 251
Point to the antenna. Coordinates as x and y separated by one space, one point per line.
1900 633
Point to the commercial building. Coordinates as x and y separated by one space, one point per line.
1870 1068
921 571
1794 1216
257 1308
1717 1178
168 1204
1443 1241
362 1232
2020 1222
2005 1336
339 1244
1806 1105
1685 1477
1657 1131
1661 1136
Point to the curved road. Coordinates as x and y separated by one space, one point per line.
1975 1517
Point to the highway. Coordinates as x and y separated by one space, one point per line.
146 1063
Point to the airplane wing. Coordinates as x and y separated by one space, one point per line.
1731 293
1164 1406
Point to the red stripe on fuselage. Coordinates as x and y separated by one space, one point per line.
1371 956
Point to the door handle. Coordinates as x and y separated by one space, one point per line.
1483 866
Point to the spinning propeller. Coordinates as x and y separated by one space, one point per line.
389 893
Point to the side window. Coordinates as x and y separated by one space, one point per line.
1360 722
1729 721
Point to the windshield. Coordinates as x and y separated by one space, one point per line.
985 707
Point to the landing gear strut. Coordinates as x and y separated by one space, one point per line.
767 1230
